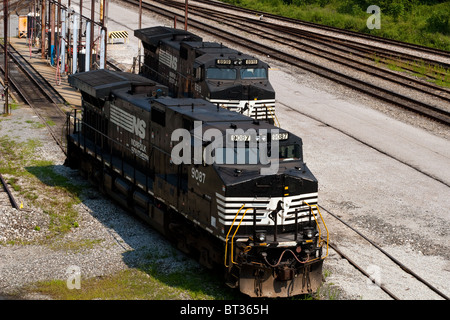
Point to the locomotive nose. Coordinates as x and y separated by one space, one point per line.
253 92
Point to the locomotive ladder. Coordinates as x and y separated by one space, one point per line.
272 112
311 209
232 238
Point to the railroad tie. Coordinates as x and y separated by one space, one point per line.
118 35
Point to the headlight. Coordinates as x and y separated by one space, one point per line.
261 237
309 233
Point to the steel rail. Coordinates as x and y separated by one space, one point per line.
364 272
10 195
43 84
397 262
314 35
353 48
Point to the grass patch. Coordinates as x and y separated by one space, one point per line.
431 73
155 279
35 124
125 285
146 283
36 181
75 246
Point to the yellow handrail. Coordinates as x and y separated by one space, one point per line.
272 112
232 238
226 241
317 223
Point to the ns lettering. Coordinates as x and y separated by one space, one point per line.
139 126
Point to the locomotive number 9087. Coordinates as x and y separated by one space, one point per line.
198 175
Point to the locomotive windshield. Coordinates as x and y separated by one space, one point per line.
251 155
237 155
221 74
231 74
253 73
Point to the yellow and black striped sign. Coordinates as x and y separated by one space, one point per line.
118 35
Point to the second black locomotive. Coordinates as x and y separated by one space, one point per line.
191 67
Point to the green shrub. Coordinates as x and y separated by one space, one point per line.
439 22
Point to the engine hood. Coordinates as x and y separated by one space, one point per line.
247 181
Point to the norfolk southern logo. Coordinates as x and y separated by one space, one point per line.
127 121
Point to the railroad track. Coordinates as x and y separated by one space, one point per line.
38 94
377 250
433 112
280 35
401 266
352 37
352 43
307 43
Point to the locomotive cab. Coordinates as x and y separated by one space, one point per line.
266 210
237 82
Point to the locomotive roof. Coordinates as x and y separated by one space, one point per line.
176 38
99 83
196 110
154 35
211 116
214 48
201 110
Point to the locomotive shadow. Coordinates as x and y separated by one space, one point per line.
141 247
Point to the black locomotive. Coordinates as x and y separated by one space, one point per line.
193 68
228 189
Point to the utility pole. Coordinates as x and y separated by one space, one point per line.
139 42
75 44
58 32
52 32
186 16
104 33
91 46
43 30
81 25
5 30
